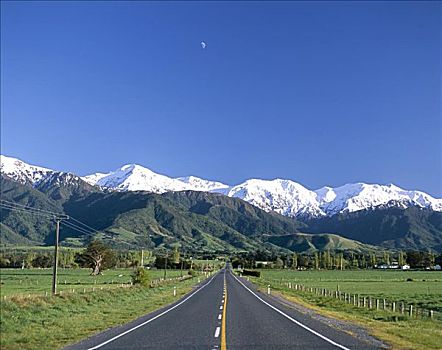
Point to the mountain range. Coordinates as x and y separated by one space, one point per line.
133 207
285 197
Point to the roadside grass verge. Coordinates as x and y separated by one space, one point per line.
399 331
42 322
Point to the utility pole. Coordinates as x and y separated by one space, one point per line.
165 266
57 238
182 264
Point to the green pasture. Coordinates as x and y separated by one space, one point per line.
39 281
422 288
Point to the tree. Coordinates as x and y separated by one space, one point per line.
66 258
30 256
294 261
98 257
401 258
386 258
176 255
373 261
316 261
279 263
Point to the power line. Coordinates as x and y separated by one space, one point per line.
30 207
76 228
78 221
23 210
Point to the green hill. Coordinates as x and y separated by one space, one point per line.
200 221
309 243
411 228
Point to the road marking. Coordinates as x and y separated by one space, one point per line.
219 316
153 318
292 319
221 307
223 325
217 332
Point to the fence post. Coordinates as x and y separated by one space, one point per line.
268 289
411 310
365 302
393 306
377 304
174 291
384 304
402 307
359 302
431 314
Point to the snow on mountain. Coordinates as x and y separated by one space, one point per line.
283 196
94 178
133 177
359 196
198 184
21 172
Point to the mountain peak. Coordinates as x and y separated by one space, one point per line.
22 172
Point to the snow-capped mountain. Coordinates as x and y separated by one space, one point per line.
283 196
359 196
133 177
196 184
21 172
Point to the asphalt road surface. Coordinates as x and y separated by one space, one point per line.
224 312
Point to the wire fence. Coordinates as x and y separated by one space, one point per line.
395 307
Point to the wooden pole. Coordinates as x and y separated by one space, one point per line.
55 267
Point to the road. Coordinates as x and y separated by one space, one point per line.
224 312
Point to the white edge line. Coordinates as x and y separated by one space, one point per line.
292 319
153 318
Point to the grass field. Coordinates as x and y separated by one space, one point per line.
39 322
39 281
423 288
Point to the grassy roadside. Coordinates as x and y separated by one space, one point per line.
53 322
399 332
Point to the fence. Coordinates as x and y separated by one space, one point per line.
361 301
106 286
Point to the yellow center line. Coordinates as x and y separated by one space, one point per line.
223 325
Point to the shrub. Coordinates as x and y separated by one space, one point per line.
251 273
140 276
192 273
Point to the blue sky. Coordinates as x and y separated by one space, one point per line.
323 93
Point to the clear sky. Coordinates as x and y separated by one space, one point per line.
323 93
